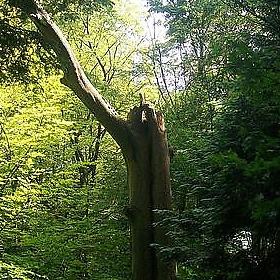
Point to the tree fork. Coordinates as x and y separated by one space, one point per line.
142 139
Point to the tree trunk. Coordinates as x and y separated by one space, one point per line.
142 139
148 178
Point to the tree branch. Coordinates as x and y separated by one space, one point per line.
74 76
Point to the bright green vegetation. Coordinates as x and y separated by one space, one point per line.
63 182
57 209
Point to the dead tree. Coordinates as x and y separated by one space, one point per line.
142 139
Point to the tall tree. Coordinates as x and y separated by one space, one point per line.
142 139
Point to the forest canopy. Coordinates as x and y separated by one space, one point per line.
65 204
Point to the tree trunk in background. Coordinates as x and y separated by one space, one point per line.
142 139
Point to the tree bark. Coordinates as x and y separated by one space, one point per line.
142 139
148 178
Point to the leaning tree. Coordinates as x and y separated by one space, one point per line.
142 139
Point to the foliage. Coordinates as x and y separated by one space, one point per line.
54 218
62 179
226 170
62 195
23 49
13 272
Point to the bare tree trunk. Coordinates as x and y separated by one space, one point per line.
142 139
149 182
